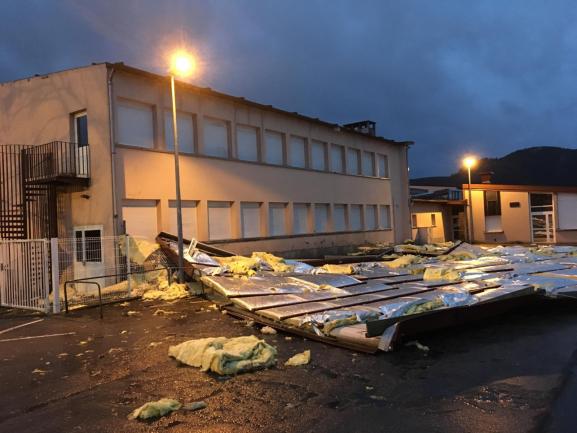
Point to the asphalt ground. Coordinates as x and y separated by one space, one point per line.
515 373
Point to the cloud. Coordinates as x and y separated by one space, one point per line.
453 76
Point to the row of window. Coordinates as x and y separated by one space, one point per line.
135 127
306 218
283 219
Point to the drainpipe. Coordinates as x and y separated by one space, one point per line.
112 152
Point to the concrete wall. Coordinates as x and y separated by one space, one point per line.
149 174
39 109
443 231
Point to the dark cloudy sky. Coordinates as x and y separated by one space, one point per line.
452 75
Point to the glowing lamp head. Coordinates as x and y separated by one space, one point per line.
469 162
182 64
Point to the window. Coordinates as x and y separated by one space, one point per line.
135 124
216 138
141 218
541 202
337 158
368 164
298 152
414 221
356 217
300 218
219 220
250 220
274 153
383 163
81 129
185 125
189 221
433 220
321 218
370 217
88 245
277 219
353 161
385 216
318 156
492 203
340 217
247 143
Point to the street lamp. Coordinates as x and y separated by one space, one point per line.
182 64
469 162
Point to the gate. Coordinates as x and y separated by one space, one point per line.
25 274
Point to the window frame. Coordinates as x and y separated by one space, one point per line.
492 210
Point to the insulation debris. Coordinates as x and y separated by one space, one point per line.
239 265
166 293
225 356
403 261
155 409
302 358
195 405
272 262
267 330
442 274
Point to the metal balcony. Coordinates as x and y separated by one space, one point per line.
57 162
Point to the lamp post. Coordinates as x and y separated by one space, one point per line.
470 162
182 65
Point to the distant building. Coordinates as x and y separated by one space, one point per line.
253 177
524 213
437 214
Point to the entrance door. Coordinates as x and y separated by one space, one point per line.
81 140
88 259
542 218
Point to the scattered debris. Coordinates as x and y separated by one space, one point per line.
39 371
302 358
132 313
124 304
163 313
225 356
155 409
172 292
195 405
249 323
114 350
267 330
417 345
154 344
62 355
377 397
124 331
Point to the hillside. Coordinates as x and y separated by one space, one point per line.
532 166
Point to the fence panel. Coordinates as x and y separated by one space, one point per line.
25 274
106 260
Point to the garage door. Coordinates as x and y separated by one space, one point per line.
141 218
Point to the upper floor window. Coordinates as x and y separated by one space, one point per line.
298 152
353 161
219 220
250 220
492 203
216 138
337 158
383 163
300 218
135 126
371 217
385 216
185 125
319 155
277 219
81 129
368 164
247 143
274 149
356 217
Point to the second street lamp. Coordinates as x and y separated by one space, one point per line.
182 65
470 162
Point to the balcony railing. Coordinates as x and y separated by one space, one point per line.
57 161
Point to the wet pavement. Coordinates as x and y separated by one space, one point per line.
511 374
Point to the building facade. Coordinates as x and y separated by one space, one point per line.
523 213
253 177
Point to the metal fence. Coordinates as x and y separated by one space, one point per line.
41 274
120 265
25 274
